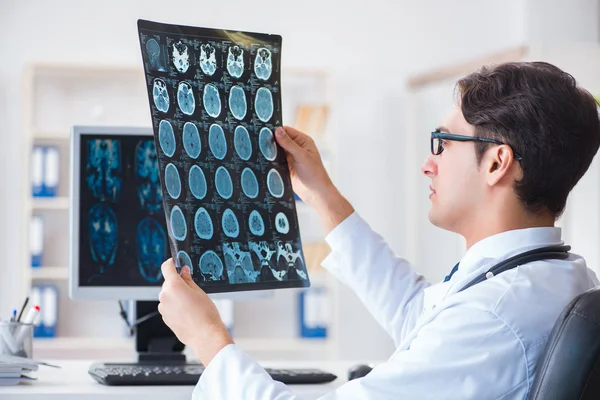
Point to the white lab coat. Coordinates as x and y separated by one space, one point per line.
482 343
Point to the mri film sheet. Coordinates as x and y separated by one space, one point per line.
215 101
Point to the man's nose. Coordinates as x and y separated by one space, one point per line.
429 166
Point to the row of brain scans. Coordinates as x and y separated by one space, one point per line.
211 100
182 55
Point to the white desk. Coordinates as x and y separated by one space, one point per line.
72 382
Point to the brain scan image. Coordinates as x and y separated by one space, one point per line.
191 140
237 102
267 145
235 61
249 183
212 101
185 98
266 255
104 171
104 235
154 55
203 224
184 259
178 224
197 182
151 248
160 95
172 181
262 64
263 104
256 223
211 266
239 264
281 223
208 61
286 255
230 224
166 138
223 183
181 57
217 141
148 187
275 183
242 143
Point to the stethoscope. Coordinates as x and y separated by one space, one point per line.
543 253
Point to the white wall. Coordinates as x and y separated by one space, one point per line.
369 48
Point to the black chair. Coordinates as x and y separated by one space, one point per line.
570 366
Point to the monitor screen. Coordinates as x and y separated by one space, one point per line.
118 236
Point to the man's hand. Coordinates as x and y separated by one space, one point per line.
310 179
191 314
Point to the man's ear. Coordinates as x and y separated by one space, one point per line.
499 164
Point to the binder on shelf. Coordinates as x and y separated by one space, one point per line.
35 298
37 171
226 310
36 240
313 312
49 318
45 170
46 296
51 171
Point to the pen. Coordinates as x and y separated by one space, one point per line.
23 308
14 316
30 319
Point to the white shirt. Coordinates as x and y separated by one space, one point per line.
482 343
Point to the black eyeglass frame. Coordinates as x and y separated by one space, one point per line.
462 138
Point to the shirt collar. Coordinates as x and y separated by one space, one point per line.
507 244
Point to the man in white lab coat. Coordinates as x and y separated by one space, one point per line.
501 167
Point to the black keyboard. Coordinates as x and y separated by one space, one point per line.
188 374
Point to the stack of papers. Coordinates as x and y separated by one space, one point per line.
14 370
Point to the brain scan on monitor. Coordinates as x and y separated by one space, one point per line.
228 201
121 225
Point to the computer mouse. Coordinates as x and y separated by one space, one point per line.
358 371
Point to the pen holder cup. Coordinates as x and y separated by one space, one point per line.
16 339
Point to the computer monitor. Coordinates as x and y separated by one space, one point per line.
118 235
118 232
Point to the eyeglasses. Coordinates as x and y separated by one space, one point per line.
438 137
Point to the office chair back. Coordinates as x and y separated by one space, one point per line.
570 366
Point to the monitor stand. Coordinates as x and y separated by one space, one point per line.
155 343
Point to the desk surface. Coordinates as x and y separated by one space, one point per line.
72 381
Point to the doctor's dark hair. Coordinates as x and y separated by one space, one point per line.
539 111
